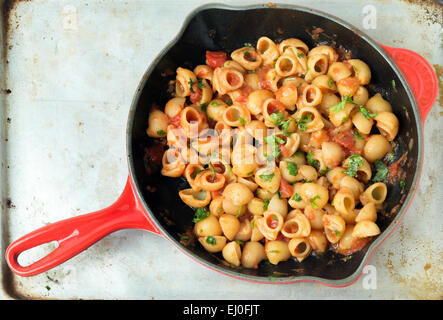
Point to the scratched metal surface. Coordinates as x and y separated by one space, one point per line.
72 68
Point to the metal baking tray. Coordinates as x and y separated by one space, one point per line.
68 73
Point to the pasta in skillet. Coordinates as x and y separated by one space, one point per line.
281 146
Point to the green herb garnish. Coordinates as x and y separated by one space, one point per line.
313 204
200 214
382 171
265 204
239 212
161 132
213 171
277 118
393 83
330 82
201 84
296 197
266 177
358 135
355 161
204 106
273 142
211 240
341 105
300 55
242 121
402 183
311 161
247 44
285 126
323 171
355 70
304 120
366 113
191 83
292 168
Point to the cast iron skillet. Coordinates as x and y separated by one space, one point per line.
224 28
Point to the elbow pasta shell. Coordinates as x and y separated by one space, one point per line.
288 95
365 229
348 86
227 79
213 243
236 116
335 175
209 181
191 122
253 253
230 208
316 122
377 104
158 123
344 201
286 65
208 227
361 96
270 225
332 153
245 231
268 178
361 71
268 50
215 111
234 65
271 106
387 124
375 193
216 206
292 42
317 65
315 217
347 240
338 71
334 227
278 205
232 253
339 117
173 164
195 199
203 72
256 99
327 50
252 80
191 172
364 172
256 234
247 57
311 96
368 212
300 248
257 129
318 241
229 225
296 201
174 106
325 83
363 124
256 206
314 195
376 147
329 99
248 182
238 193
277 251
352 185
296 227
185 79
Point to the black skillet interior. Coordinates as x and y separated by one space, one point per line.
226 30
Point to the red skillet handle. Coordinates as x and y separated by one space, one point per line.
420 76
78 233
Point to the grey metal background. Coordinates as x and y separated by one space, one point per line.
72 68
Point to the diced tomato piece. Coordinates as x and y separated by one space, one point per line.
245 92
215 59
175 120
196 95
286 189
346 140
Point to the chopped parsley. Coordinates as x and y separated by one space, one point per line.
273 142
296 197
183 237
402 183
266 177
200 214
355 70
253 224
239 212
355 161
265 204
204 106
277 118
341 105
292 168
366 113
215 103
311 161
211 240
337 233
323 171
191 83
214 174
285 127
279 194
313 204
300 55
201 84
161 132
242 121
358 135
304 120
240 242
330 82
382 171
393 83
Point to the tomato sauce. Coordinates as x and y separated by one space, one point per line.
357 245
196 95
346 140
245 92
286 189
215 59
175 120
